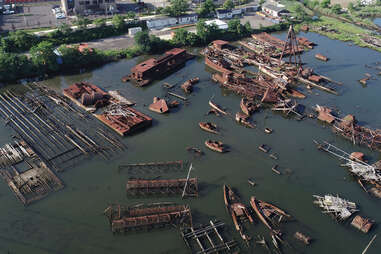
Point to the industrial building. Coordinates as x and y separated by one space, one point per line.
88 6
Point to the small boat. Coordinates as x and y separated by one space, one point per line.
321 57
264 148
217 108
248 107
251 182
195 150
268 130
209 127
243 119
216 146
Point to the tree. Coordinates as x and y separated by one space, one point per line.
261 2
142 39
14 66
181 37
177 7
325 3
336 8
207 9
100 22
43 56
299 11
234 26
351 7
82 22
248 27
18 41
206 32
193 39
65 29
131 15
228 5
118 22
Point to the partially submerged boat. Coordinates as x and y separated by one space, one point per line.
267 213
248 107
237 211
268 130
217 107
209 127
216 146
244 120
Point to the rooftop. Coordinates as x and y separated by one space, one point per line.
273 7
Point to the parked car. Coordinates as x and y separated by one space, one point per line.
56 10
60 15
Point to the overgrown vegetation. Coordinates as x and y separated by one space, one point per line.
343 31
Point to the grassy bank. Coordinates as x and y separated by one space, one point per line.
343 31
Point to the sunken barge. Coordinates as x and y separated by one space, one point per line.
156 68
123 119
123 219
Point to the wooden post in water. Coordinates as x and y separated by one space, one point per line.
186 182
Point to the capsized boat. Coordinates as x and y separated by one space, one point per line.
216 146
209 127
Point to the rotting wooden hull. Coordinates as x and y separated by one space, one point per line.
254 205
216 149
205 128
217 108
277 209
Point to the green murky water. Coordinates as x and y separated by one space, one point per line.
71 220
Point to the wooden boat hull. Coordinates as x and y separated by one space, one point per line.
254 205
216 149
203 127
217 108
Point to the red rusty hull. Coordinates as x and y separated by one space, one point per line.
126 124
156 68
215 66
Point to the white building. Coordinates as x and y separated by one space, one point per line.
224 14
165 21
219 23
273 10
133 30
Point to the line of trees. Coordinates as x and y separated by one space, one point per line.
20 41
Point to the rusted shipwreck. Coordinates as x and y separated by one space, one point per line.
123 219
156 68
124 119
29 185
87 95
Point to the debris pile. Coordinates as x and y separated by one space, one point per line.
208 238
362 224
339 208
124 119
